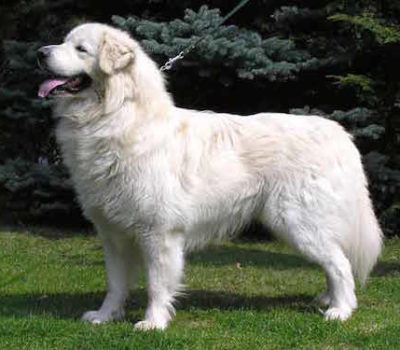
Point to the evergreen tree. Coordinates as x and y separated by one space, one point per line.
337 59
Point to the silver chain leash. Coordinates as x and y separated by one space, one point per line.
171 61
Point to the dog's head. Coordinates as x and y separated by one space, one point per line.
89 54
101 65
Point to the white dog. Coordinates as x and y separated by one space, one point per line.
157 180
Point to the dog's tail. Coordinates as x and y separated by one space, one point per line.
367 242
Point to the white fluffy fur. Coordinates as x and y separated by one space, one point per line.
157 180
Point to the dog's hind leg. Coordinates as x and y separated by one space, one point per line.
313 235
340 295
329 255
122 259
325 298
164 260
341 292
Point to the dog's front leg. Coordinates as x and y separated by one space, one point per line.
122 258
164 260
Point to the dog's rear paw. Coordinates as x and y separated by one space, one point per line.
323 299
335 313
149 325
98 317
94 317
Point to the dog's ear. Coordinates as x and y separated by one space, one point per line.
116 52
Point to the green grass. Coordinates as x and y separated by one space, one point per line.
265 303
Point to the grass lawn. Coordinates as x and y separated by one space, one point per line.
239 296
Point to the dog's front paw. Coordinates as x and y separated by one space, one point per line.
149 325
98 317
335 313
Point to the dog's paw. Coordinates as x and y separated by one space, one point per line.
94 317
98 317
149 325
323 299
335 313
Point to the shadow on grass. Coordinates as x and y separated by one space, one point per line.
72 306
201 299
386 269
49 232
223 255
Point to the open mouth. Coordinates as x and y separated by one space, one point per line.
60 86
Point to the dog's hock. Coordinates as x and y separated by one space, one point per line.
115 54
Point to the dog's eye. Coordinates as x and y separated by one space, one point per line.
80 48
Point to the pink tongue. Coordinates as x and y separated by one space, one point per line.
46 87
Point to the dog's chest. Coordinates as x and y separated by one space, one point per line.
107 177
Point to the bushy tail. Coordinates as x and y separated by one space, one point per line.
367 243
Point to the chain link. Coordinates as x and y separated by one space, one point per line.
168 65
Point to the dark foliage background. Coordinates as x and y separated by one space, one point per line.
338 59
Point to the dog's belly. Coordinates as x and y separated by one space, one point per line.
136 205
